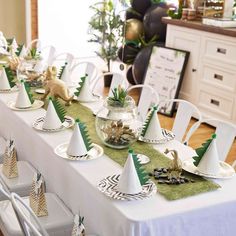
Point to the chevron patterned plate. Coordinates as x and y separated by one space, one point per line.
167 134
108 186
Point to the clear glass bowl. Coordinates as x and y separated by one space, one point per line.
117 125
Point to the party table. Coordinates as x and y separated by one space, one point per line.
211 213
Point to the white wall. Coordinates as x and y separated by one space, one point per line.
64 24
12 19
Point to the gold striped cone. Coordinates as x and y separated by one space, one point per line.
10 169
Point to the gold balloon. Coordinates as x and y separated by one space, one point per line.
133 29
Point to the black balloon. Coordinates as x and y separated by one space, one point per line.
127 53
141 6
132 14
140 64
129 76
153 24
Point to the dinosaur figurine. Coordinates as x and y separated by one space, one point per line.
55 87
175 168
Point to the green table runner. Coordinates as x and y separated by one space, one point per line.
170 192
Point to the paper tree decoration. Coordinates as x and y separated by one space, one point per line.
55 115
207 160
80 142
142 174
78 227
10 169
84 93
62 70
24 98
37 196
6 79
129 181
152 128
21 51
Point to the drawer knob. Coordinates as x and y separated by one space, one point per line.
194 70
218 77
221 50
215 102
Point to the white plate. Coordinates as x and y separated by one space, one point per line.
108 186
36 105
40 91
68 122
94 153
12 90
96 98
226 170
143 159
168 136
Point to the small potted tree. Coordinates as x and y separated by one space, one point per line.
106 29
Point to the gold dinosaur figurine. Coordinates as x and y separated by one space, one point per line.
55 87
175 168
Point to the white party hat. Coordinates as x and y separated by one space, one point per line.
52 120
129 182
4 83
23 52
84 92
39 66
3 41
14 45
65 74
152 128
80 143
209 163
23 98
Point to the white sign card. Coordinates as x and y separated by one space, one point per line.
165 73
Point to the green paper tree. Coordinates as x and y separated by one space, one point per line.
85 135
19 49
148 120
60 110
202 150
62 70
142 174
81 84
10 76
28 90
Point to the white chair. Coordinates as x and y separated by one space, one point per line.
145 103
48 54
21 184
82 68
28 220
185 111
225 135
60 59
59 221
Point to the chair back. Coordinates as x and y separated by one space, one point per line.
29 221
48 53
145 102
36 42
60 59
225 135
84 67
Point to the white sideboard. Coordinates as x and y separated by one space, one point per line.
210 76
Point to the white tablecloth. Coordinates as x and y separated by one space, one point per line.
210 214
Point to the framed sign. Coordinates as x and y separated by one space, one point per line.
165 73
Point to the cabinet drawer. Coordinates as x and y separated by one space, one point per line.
216 103
219 77
220 50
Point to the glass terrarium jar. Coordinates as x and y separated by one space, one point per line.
116 123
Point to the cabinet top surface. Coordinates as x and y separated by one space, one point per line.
199 26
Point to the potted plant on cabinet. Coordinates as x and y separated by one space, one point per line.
106 29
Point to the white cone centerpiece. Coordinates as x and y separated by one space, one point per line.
129 182
152 128
24 98
4 83
64 74
84 93
54 116
23 52
207 161
80 142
